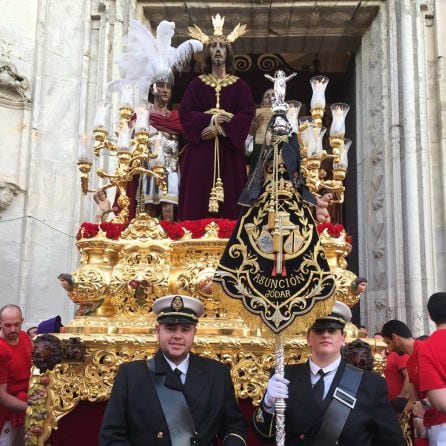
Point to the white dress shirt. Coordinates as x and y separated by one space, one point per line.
182 367
330 371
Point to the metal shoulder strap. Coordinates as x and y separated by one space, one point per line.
176 410
344 400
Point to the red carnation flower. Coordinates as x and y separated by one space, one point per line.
144 284
134 284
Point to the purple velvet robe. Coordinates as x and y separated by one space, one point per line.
197 160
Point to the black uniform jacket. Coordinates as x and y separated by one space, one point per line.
372 422
134 415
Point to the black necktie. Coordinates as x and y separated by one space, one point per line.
178 373
319 387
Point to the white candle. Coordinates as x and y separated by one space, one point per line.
124 138
291 115
101 115
319 137
127 95
142 119
83 148
344 153
339 112
315 135
311 133
318 84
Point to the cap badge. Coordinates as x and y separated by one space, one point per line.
177 303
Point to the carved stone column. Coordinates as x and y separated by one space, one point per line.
398 238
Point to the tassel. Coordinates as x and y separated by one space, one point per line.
219 191
213 202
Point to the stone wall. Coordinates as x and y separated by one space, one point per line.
63 51
401 195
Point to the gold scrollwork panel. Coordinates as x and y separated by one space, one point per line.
91 285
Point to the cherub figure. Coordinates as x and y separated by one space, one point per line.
280 81
359 285
322 203
104 205
66 281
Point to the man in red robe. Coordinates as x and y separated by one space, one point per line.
216 113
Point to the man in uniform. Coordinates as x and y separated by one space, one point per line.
329 402
176 398
15 369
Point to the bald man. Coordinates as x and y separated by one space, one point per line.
15 367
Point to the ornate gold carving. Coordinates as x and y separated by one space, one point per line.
193 264
218 83
149 268
217 22
90 285
157 266
39 417
99 250
336 251
144 228
250 374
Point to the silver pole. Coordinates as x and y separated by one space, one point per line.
280 403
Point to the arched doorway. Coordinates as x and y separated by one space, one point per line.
305 38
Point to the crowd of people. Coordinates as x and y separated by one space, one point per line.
416 374
333 398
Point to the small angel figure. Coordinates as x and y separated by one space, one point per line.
104 205
359 285
280 81
66 281
322 203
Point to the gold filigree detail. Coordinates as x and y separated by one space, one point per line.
90 285
211 231
144 228
336 250
99 250
250 375
39 418
218 83
217 22
142 264
344 279
193 267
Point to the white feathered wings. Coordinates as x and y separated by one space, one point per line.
146 58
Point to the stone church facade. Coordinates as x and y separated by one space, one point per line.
56 60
